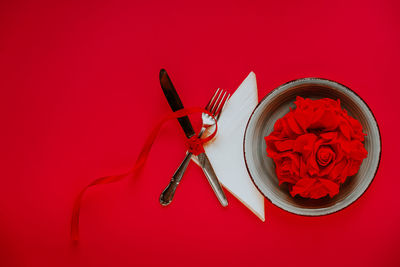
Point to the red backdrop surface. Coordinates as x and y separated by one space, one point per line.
80 92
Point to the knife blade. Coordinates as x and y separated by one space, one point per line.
176 104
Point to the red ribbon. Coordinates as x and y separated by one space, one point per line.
194 144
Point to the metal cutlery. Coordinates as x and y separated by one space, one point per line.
176 104
214 106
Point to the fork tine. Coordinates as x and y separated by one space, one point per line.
223 106
214 107
219 104
208 107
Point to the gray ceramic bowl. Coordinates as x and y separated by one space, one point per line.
262 168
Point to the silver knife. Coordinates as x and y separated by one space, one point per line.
176 104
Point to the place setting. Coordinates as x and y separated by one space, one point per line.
311 147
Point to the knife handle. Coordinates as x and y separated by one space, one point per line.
212 178
168 194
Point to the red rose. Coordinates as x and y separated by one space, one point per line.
315 147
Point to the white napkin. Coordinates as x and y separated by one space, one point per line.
226 150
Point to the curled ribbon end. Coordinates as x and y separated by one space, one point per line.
75 217
74 232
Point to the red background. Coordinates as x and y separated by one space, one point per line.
80 92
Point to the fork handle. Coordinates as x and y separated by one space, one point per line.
168 194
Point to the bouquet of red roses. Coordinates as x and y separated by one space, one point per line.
315 147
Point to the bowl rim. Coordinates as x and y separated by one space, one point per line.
311 79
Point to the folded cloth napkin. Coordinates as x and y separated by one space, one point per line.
226 150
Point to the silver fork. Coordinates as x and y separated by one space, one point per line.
214 106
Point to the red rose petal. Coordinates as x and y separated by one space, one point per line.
315 188
316 191
345 129
303 118
296 165
304 169
284 145
354 167
328 120
355 125
331 187
299 102
345 145
316 118
328 135
305 143
302 186
293 125
340 171
287 131
335 173
357 150
278 125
